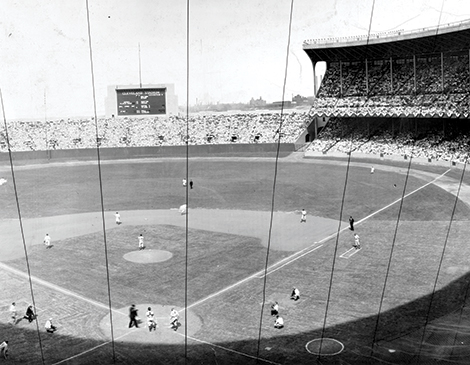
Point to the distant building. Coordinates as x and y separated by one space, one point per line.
257 102
278 104
299 100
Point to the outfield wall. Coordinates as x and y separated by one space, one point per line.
229 150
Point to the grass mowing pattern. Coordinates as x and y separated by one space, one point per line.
216 261
230 319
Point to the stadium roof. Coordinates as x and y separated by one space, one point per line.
398 44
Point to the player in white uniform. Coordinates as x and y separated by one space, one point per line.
141 242
357 242
275 309
184 182
4 349
174 319
278 322
49 326
183 209
151 322
303 218
47 240
118 218
295 294
13 313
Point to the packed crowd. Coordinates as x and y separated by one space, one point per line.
428 105
346 136
422 87
407 76
156 131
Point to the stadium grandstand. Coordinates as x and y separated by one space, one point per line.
392 93
153 131
398 92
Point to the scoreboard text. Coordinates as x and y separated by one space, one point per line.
141 101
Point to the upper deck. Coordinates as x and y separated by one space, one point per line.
397 44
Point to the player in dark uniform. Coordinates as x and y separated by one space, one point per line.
351 223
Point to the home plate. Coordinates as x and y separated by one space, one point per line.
349 253
163 334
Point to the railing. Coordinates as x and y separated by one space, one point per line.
386 34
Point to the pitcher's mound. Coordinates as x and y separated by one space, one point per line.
148 256
162 334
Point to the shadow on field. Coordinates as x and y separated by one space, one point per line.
429 330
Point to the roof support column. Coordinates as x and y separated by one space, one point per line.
442 72
315 80
367 78
340 79
391 76
414 73
315 122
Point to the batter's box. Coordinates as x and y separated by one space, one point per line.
350 252
21 306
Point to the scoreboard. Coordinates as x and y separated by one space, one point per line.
141 101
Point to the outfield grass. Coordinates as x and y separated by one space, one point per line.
216 260
219 184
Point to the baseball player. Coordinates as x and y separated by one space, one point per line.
13 313
4 349
47 240
118 218
357 242
174 319
151 322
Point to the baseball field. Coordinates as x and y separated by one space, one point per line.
400 299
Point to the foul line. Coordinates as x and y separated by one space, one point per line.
92 349
405 196
287 263
57 288
307 250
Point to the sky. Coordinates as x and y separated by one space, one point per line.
237 48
